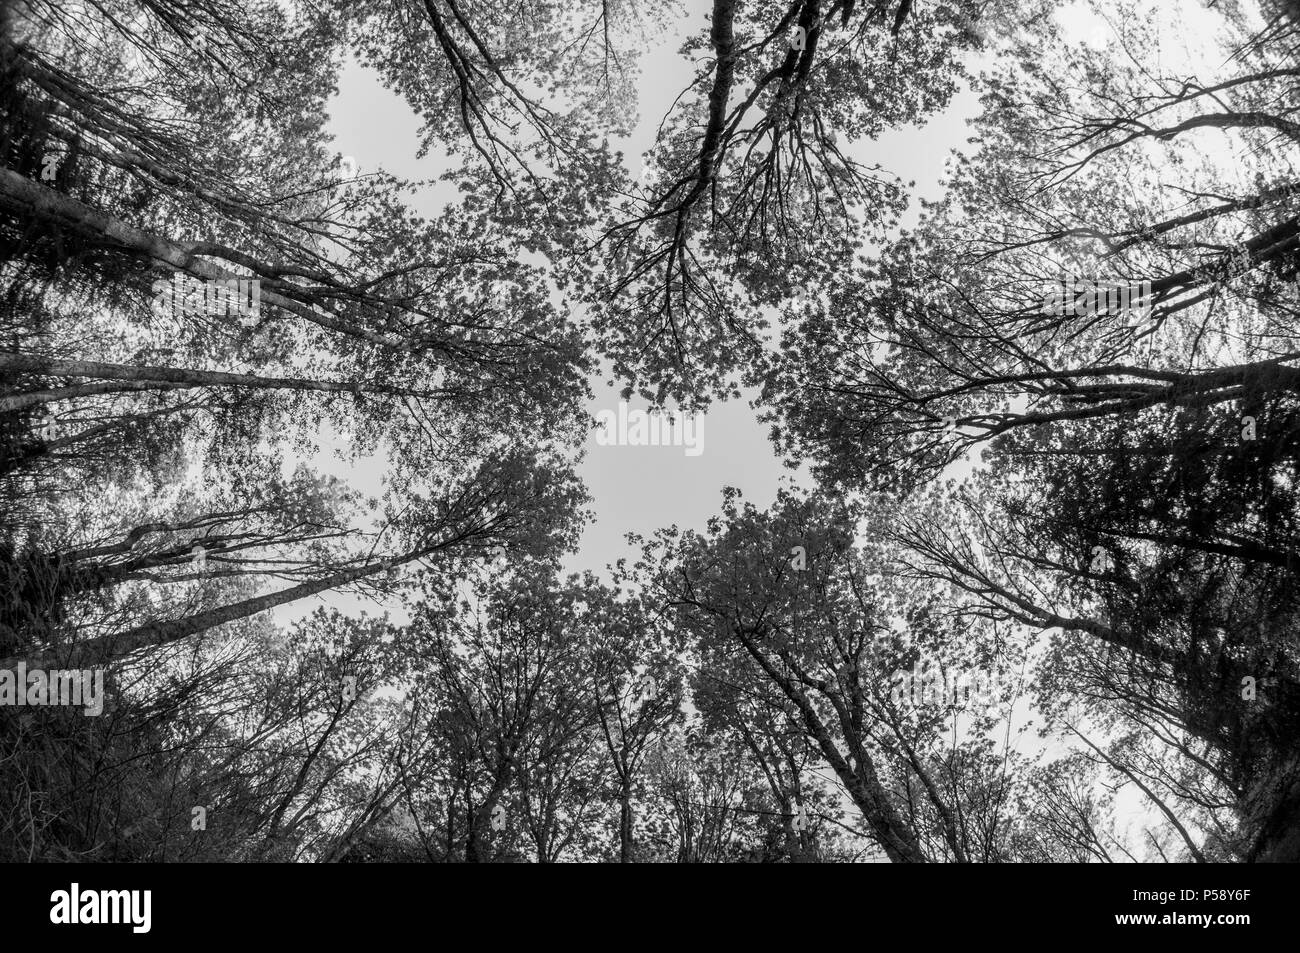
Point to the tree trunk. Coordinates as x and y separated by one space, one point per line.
625 824
160 633
30 200
170 378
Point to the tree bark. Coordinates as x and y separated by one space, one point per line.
625 824
173 376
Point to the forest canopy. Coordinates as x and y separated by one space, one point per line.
1029 593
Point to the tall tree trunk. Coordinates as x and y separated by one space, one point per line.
169 378
625 823
29 200
160 633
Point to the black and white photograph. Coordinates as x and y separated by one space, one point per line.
651 432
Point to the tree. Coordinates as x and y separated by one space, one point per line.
787 593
